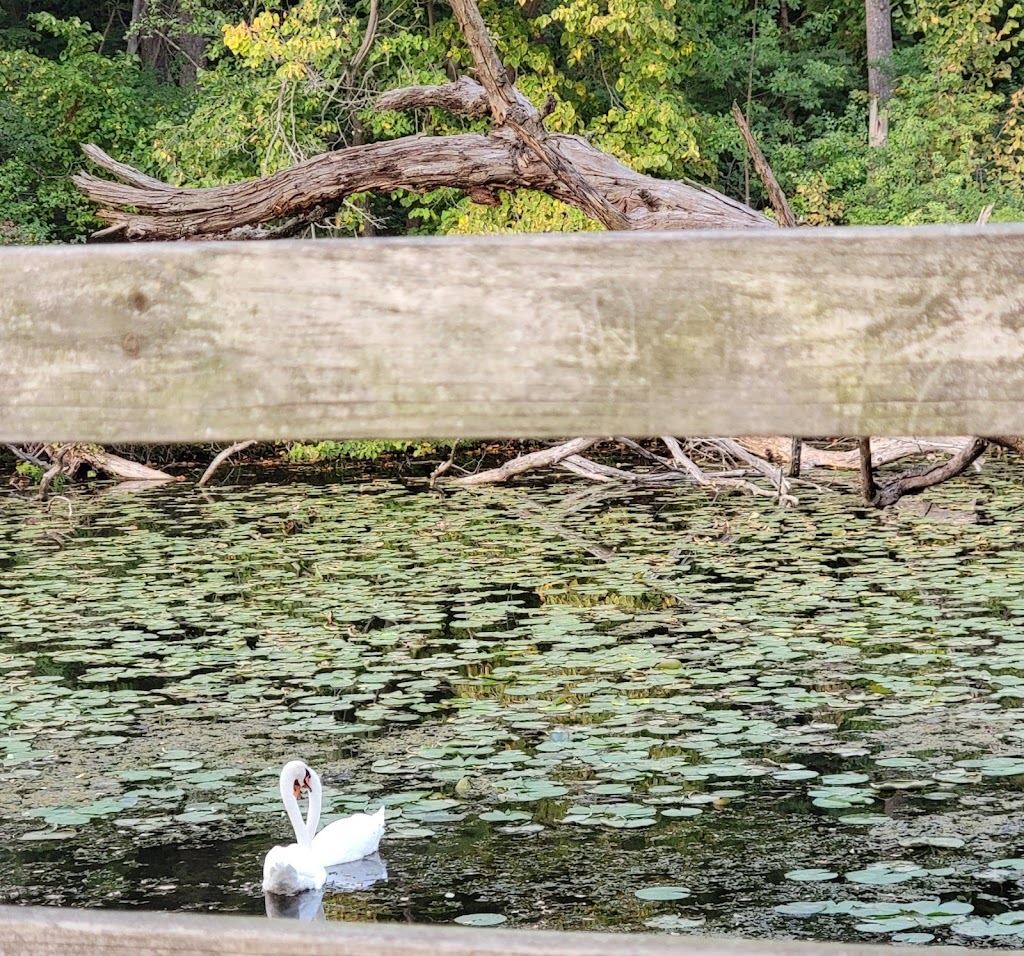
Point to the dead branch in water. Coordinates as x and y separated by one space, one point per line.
224 456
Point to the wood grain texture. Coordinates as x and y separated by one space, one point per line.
885 331
470 161
42 931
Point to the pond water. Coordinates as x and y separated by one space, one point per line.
583 708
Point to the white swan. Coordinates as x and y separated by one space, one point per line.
348 839
292 869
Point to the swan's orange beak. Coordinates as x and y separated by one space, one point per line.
297 789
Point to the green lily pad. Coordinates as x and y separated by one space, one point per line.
890 924
41 835
801 909
941 842
983 928
806 876
660 893
864 819
481 919
884 874
669 922
843 779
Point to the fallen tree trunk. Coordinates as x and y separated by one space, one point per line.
66 459
884 451
279 205
519 153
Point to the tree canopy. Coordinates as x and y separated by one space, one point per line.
205 92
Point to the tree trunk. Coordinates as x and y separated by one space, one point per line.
192 47
879 35
169 49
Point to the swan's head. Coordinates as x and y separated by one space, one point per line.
296 779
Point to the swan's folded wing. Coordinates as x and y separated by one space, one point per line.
348 839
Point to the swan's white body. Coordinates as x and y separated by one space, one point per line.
346 840
300 866
289 870
293 869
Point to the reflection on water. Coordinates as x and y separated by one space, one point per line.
304 906
358 875
344 878
763 722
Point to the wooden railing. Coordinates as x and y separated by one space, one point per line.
888 331
885 331
39 931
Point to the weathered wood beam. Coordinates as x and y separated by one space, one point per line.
52 931
807 332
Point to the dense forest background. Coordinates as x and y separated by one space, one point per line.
203 92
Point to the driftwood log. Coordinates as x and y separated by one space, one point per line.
286 202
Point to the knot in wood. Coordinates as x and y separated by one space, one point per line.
132 345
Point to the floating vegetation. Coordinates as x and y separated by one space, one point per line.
481 919
580 709
662 893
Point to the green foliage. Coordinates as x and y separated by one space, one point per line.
28 470
650 81
790 77
523 212
366 450
625 65
955 142
970 44
48 107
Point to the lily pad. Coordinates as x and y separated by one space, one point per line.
660 893
669 922
481 919
811 876
41 835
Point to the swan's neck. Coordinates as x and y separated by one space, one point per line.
291 806
315 801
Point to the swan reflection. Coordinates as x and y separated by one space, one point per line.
345 878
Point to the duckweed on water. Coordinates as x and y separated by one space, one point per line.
567 700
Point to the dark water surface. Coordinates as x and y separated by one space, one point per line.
802 723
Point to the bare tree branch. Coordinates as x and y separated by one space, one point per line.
444 466
224 456
368 37
795 453
123 171
25 454
682 459
468 161
464 97
117 466
771 185
867 470
530 462
510 108
914 482
884 451
52 472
